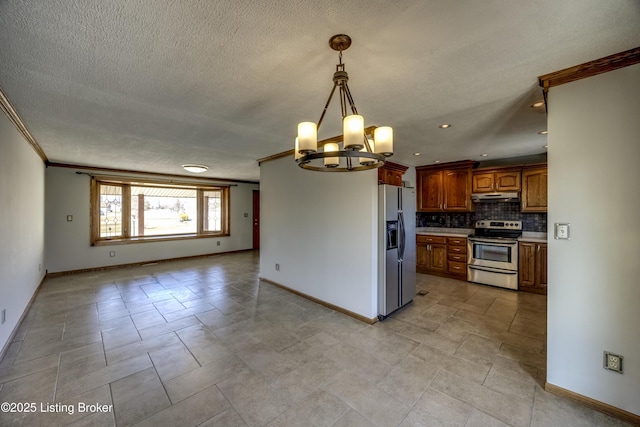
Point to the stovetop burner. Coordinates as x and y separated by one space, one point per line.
497 229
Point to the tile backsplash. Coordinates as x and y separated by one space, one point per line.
509 210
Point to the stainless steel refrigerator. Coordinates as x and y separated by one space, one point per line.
397 248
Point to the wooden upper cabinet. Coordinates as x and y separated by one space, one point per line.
457 197
391 173
534 189
429 192
489 181
444 188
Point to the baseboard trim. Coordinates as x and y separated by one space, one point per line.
6 345
605 408
321 302
140 264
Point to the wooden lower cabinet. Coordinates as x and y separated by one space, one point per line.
431 254
533 267
442 256
457 257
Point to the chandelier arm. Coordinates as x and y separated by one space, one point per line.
343 105
366 144
350 98
333 89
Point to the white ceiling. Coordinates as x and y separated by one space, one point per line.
150 86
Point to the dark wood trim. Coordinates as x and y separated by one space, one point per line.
450 165
187 178
395 167
605 408
13 333
15 118
369 131
141 263
591 68
321 302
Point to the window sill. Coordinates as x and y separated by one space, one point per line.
151 239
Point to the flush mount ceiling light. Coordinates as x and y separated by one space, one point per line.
537 104
195 168
543 132
444 126
357 151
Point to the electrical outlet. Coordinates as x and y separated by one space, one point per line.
218 243
277 267
3 316
112 253
69 218
613 362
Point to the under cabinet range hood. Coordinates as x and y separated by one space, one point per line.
495 197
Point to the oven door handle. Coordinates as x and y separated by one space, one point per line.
493 270
494 242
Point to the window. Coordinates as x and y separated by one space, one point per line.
126 211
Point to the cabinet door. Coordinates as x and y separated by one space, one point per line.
438 257
457 184
429 191
527 265
507 181
534 190
422 256
482 182
541 267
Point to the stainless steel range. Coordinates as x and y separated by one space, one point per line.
492 255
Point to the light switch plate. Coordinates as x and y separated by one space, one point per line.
562 231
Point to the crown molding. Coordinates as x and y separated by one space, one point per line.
13 115
591 68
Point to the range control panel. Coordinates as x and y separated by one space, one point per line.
499 225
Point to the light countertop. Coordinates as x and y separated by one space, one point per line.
527 236
533 237
442 231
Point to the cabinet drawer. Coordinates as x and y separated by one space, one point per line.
457 249
431 239
458 268
457 257
457 241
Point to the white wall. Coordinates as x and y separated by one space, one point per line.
68 243
594 278
21 225
321 228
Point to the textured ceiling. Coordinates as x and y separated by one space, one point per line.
150 86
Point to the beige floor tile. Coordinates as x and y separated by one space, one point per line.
192 411
376 405
480 419
227 418
255 400
358 362
506 409
298 383
318 409
408 379
478 349
201 378
138 396
353 419
173 361
437 406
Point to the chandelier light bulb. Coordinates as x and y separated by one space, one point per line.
383 137
307 137
331 162
353 132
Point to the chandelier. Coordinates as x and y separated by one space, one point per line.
356 151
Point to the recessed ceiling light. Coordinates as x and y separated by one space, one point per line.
195 168
436 161
537 104
484 154
416 154
543 132
444 126
546 146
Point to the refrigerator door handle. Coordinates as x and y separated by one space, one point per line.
401 236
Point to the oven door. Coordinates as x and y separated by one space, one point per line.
500 254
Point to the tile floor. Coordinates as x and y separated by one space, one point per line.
203 342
